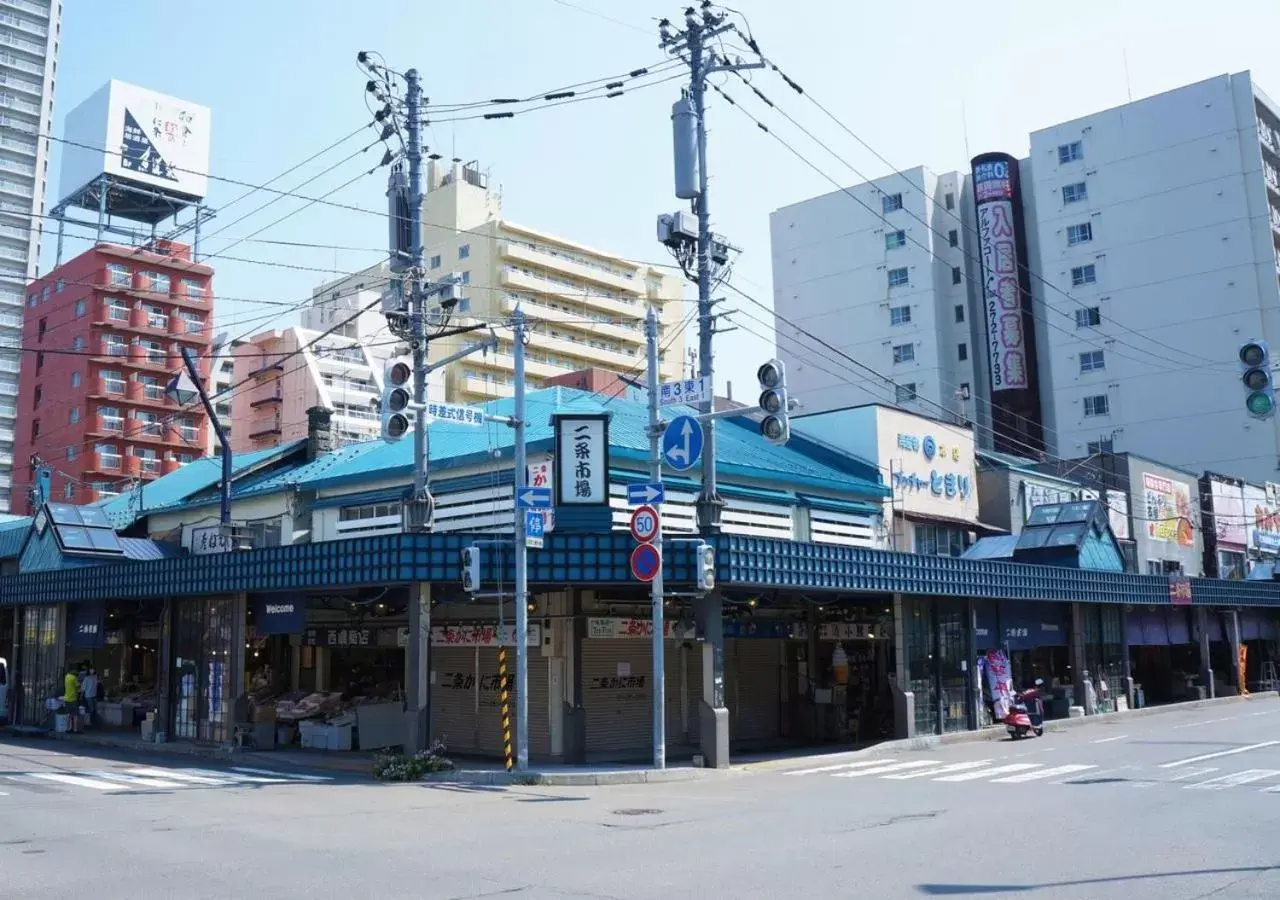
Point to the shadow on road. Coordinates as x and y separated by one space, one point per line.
958 890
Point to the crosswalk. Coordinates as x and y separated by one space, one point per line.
996 771
147 778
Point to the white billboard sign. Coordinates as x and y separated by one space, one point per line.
140 135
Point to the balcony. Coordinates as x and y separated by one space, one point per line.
9 101
517 280
23 44
264 428
276 396
598 274
13 82
107 463
485 388
583 354
575 320
24 25
505 362
14 62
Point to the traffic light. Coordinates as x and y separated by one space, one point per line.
774 403
704 561
396 398
471 569
1255 362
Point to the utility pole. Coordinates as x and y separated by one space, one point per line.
657 591
522 551
420 505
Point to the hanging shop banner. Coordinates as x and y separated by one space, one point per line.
1228 512
994 194
280 614
1179 590
482 635
582 460
86 624
1168 510
614 629
1179 626
1261 520
1155 627
986 628
1026 626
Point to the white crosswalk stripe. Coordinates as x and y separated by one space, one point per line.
888 767
79 781
1042 774
154 778
940 770
836 768
988 772
1222 782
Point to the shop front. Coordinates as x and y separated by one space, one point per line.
937 646
207 669
120 641
1164 654
40 663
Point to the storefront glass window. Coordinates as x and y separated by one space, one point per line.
953 653
917 621
940 540
39 662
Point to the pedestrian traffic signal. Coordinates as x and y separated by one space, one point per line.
396 400
471 569
1255 362
774 403
704 561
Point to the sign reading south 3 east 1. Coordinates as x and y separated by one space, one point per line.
682 443
691 390
534 529
533 498
646 494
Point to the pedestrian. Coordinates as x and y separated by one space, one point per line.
71 699
89 689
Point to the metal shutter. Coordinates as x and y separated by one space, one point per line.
489 725
754 695
454 697
618 707
684 693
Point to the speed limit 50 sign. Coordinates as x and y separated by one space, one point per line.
645 524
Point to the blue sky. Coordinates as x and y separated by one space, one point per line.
921 82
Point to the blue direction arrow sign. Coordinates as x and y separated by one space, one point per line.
533 498
682 443
646 562
646 494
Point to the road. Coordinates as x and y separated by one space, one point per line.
1176 806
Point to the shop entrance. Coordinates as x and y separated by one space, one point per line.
204 641
41 662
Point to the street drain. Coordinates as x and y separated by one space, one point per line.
637 812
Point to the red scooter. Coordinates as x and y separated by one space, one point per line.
1026 715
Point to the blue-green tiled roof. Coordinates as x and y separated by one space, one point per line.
12 533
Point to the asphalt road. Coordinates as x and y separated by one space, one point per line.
1177 806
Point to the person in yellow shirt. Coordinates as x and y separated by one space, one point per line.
71 699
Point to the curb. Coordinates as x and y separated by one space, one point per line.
566 779
169 749
998 732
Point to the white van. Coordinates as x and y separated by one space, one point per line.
4 689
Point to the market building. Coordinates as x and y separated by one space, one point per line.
302 628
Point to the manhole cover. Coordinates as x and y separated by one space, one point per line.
637 812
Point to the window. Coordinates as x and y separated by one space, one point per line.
108 456
956 275
60 286
949 200
111 420
1082 275
959 312
39 360
466 277
112 382
115 344
155 351
187 428
151 426
151 388
69 491
464 305
903 353
904 393
82 307
939 540
953 238
1070 152
35 429
33 300
158 283
898 277
1106 445
1090 317
963 351
41 328
895 239
891 202
435 262
464 251
1075 193
45 293
78 343
38 395
1079 234
1092 361
1097 405
193 289
118 275
156 317
75 379
899 315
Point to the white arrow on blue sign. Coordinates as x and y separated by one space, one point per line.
534 529
682 443
646 494
533 498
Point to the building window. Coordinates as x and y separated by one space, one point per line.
949 200
116 345
904 393
899 315
156 317
118 275
898 277
963 350
69 491
112 382
117 309
35 430
82 307
464 305
45 293
71 454
1082 275
1092 361
111 420
192 289
956 275
75 379
1079 234
466 277
959 312
953 238
939 540
1089 317
435 262
895 239
1075 193
39 360
155 351
1071 152
1106 445
187 429
108 456
78 343
464 251
153 390
903 353
41 328
151 424
157 282
1097 405
891 202
61 285
33 300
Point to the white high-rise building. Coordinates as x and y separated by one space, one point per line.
28 58
1155 226
878 272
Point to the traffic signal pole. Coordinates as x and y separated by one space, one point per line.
521 550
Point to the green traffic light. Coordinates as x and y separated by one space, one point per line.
1260 404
